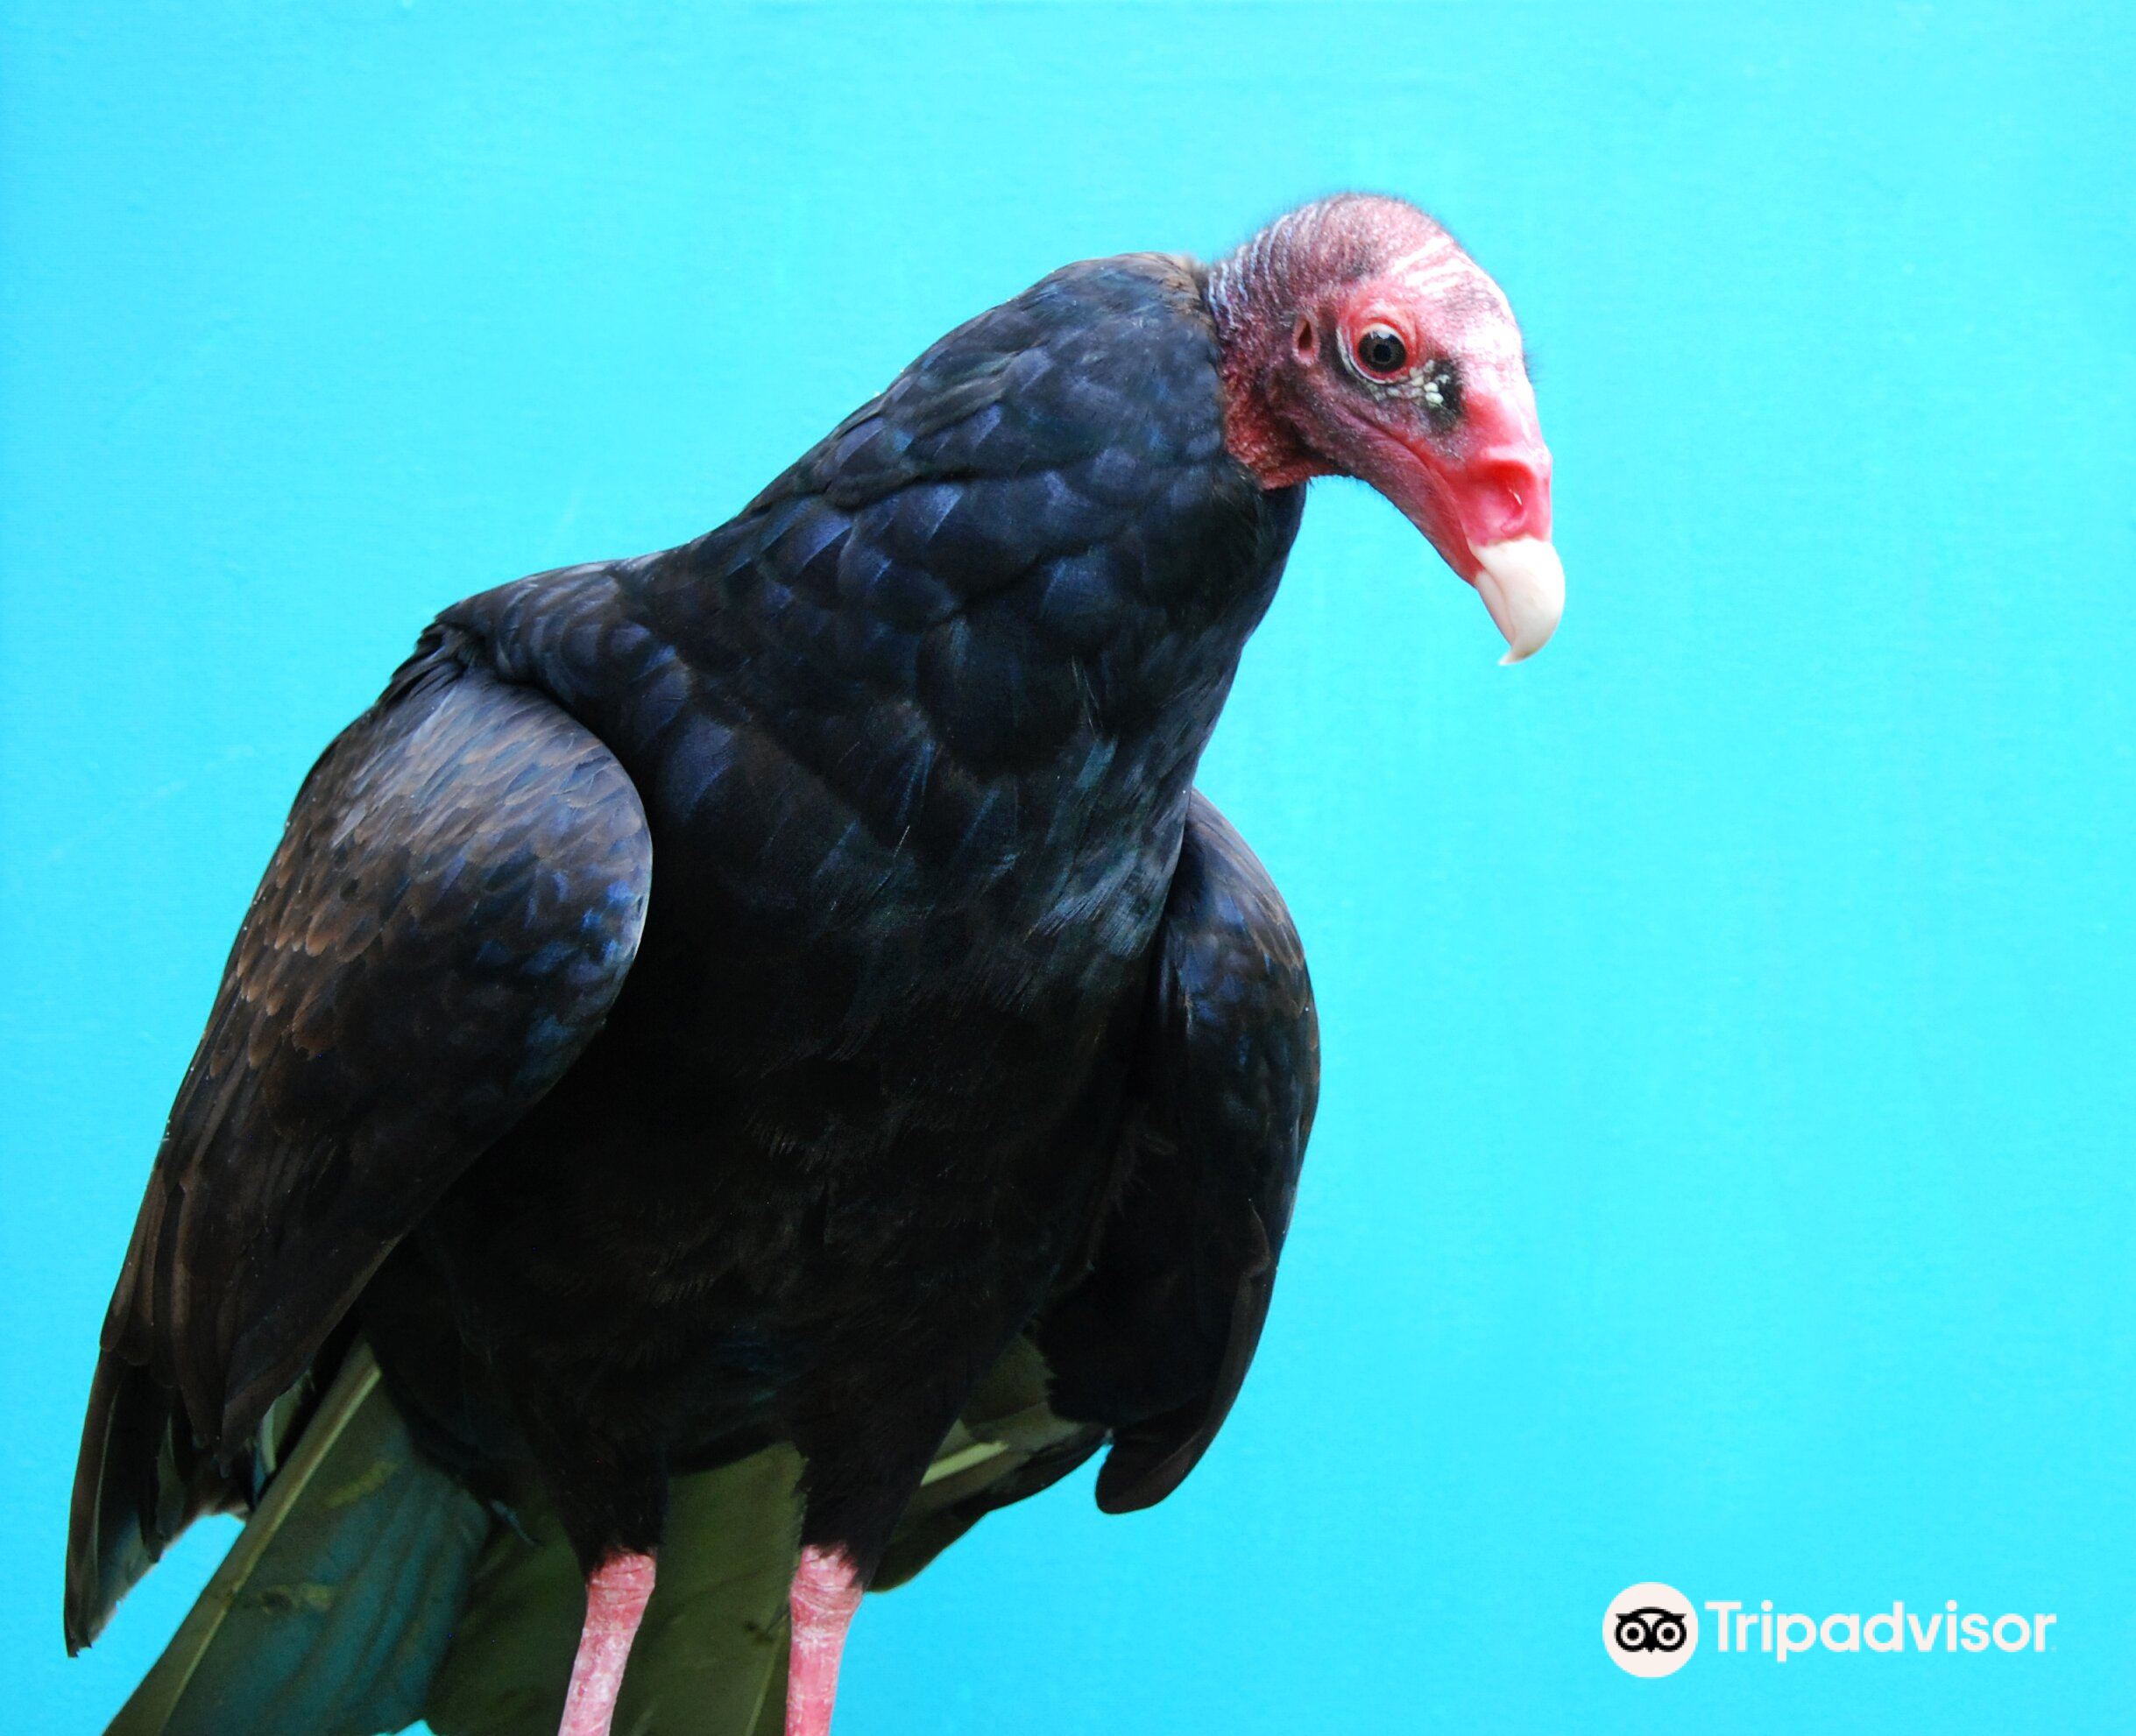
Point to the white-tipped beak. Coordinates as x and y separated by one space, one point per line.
1523 584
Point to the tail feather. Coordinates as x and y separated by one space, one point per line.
771 1715
1009 1445
333 1607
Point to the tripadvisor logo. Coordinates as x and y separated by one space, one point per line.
1652 1629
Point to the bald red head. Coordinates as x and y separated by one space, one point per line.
1359 339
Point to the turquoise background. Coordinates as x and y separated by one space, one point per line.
1724 1171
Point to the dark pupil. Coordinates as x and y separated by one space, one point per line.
1382 351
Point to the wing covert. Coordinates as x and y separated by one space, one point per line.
456 901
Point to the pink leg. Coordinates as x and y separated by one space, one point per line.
826 1592
616 1596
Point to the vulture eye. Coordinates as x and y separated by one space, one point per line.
1380 350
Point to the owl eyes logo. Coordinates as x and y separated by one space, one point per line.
1649 1629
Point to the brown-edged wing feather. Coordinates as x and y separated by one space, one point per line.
456 901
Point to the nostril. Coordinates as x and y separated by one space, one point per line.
1512 498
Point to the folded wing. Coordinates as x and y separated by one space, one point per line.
1155 1341
454 907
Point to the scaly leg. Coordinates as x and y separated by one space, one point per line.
826 1592
616 1596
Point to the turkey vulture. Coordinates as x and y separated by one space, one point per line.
748 1057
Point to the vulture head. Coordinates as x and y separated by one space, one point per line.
1359 339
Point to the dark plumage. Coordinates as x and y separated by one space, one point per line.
744 995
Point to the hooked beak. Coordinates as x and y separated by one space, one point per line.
1486 510
1521 582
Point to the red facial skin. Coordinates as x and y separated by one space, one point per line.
1293 305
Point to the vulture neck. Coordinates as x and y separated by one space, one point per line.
1252 301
